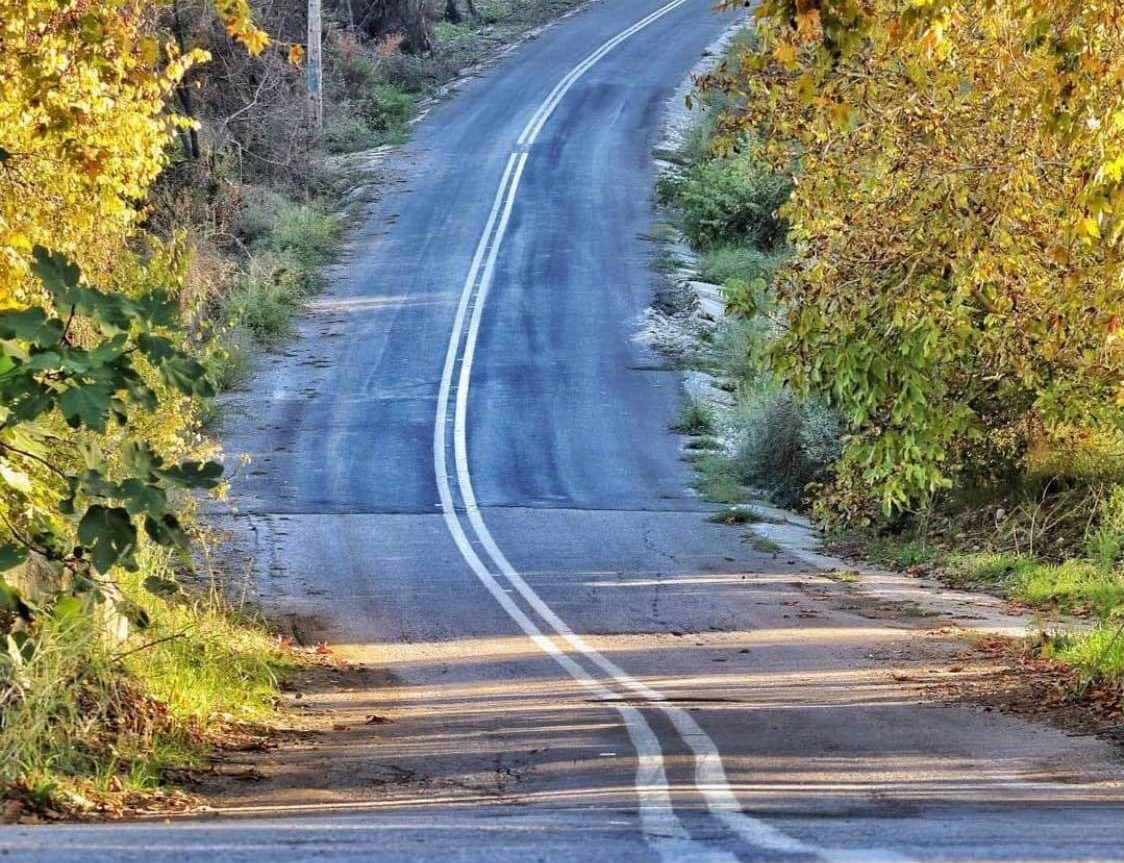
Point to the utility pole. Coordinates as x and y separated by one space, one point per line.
315 66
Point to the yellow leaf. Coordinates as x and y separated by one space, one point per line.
785 54
1089 228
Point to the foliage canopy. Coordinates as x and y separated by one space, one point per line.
957 223
96 383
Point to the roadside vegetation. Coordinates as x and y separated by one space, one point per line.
920 255
167 204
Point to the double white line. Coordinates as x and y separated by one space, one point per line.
659 823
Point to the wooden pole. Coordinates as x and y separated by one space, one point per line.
315 65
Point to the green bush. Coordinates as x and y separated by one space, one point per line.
264 300
260 209
785 444
731 201
306 235
387 107
694 419
379 114
723 264
290 242
82 715
1105 543
346 132
229 359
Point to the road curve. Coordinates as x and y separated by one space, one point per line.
461 472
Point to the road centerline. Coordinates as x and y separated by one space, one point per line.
659 823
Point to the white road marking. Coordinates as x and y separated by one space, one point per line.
660 825
538 120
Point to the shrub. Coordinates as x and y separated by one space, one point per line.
306 235
726 263
732 200
1105 543
694 419
785 444
82 715
264 300
415 73
229 359
346 132
387 107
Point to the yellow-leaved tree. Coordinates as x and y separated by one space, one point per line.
97 426
957 223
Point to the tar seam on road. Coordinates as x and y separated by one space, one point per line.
661 827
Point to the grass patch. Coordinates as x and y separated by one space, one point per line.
704 443
1096 655
723 264
1073 586
901 552
289 243
263 304
716 480
986 571
762 543
735 515
304 235
85 718
694 419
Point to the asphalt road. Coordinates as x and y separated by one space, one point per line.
462 477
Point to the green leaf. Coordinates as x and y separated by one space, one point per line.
158 309
30 325
56 271
186 375
193 474
110 535
166 531
68 609
141 497
156 348
140 458
86 405
11 556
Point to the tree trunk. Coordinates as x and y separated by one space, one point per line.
452 13
183 89
381 18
